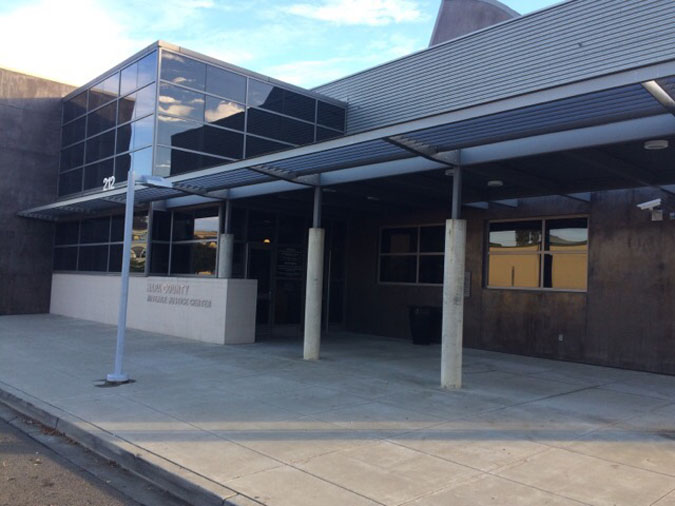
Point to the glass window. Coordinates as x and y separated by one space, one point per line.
72 157
180 102
95 230
201 224
255 146
279 127
93 258
65 259
161 226
159 258
432 239
182 70
261 226
331 116
139 74
70 182
194 258
94 174
101 146
274 98
67 233
122 166
75 107
147 69
431 269
104 91
136 105
224 113
101 119
174 161
412 254
223 142
539 254
135 135
398 269
292 229
324 134
136 260
180 133
141 161
225 84
73 132
399 240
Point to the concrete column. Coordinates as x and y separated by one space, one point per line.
225 251
453 304
313 294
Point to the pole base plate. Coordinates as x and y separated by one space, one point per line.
117 378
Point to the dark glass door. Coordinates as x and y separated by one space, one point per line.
260 268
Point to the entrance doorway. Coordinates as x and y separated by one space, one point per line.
260 268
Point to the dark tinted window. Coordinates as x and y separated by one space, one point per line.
323 134
75 107
93 258
226 84
174 161
117 228
101 146
101 119
180 102
139 74
331 116
194 258
72 157
224 113
279 127
431 269
70 182
104 91
398 269
94 174
161 226
432 239
135 135
182 70
122 166
95 230
159 258
277 99
136 105
256 146
399 240
73 132
67 233
65 259
147 69
223 142
180 133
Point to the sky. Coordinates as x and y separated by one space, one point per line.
304 42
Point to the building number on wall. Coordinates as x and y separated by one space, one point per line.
108 183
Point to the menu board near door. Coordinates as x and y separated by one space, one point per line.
289 263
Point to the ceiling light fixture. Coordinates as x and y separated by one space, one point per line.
495 183
656 144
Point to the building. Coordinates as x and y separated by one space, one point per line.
503 167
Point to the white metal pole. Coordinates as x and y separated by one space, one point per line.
118 376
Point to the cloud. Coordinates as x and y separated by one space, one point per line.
359 12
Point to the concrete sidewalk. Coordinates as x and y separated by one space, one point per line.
365 425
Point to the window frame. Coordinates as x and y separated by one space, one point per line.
541 253
417 254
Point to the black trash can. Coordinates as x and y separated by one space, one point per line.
421 324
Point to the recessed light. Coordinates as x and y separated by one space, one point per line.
495 183
656 144
369 197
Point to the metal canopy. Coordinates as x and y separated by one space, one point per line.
488 132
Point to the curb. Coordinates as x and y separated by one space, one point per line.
166 475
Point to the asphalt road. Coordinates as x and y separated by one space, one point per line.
32 474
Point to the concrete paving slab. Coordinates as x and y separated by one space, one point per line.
462 442
589 479
492 490
668 500
366 425
287 486
388 473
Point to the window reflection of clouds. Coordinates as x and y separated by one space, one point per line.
219 109
181 102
